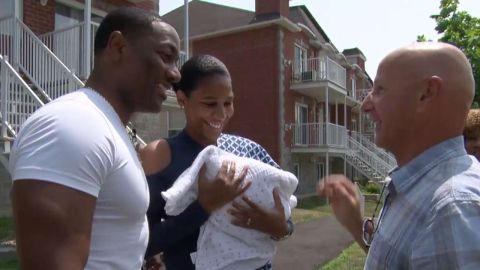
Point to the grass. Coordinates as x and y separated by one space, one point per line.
7 233
309 209
351 258
6 229
9 264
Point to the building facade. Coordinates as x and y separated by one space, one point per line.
295 93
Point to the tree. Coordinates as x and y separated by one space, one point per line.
463 30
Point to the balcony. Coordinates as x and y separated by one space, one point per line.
312 136
318 72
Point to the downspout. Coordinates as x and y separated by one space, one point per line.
186 29
281 99
87 36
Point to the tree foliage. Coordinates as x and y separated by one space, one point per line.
463 30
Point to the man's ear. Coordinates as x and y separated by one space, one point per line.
430 91
116 45
181 98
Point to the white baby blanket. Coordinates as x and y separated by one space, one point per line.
222 245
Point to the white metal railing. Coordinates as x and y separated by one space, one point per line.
17 100
381 153
6 39
310 134
357 150
319 69
69 46
44 70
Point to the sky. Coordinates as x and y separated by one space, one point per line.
376 27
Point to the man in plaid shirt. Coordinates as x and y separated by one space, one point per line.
431 214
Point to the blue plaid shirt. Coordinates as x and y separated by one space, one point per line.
431 217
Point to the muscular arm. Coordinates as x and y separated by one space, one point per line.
53 225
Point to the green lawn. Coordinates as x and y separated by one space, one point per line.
351 258
6 229
7 233
309 209
9 264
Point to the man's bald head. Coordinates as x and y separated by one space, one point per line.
421 96
426 59
441 67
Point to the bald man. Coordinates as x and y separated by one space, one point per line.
431 214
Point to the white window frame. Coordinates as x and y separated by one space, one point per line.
301 130
296 170
320 170
301 62
81 6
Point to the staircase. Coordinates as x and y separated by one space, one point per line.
366 161
382 154
47 76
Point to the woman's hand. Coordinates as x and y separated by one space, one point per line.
223 189
251 215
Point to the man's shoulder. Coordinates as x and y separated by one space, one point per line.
463 183
69 105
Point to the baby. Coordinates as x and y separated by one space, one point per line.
222 245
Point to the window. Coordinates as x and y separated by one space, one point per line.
301 124
296 170
6 8
66 16
320 170
300 60
354 88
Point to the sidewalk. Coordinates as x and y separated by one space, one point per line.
312 245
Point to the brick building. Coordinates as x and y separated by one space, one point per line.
295 93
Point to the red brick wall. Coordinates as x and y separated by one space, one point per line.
291 96
109 5
252 59
40 19
271 6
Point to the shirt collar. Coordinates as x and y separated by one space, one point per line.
403 178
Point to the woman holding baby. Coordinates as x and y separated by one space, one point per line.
205 93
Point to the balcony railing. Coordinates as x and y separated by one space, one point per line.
319 69
315 134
